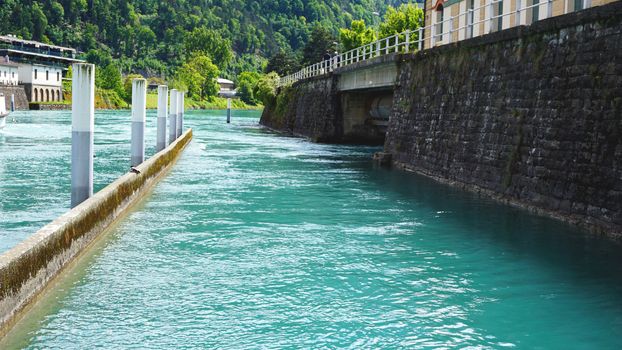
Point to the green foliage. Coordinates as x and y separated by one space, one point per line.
99 58
321 42
283 64
246 84
265 90
209 43
110 78
127 86
405 17
199 75
358 35
156 37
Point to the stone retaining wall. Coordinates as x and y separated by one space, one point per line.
49 106
26 269
309 108
531 116
21 101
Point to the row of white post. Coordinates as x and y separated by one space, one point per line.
83 125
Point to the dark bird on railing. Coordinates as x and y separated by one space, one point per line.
134 170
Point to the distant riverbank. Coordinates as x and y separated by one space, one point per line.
104 100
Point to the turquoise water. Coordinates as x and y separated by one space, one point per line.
256 240
35 156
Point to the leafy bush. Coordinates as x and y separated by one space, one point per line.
357 35
265 90
246 84
200 76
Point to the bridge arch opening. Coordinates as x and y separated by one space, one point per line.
365 115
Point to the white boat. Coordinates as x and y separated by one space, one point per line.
3 111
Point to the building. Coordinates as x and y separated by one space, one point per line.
8 72
454 20
227 87
40 66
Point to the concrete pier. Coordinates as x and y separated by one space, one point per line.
172 117
183 110
161 121
228 110
139 105
180 109
82 127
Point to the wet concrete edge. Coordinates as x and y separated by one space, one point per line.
26 269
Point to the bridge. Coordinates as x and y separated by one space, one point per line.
506 114
361 82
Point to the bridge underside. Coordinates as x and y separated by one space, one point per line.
365 115
366 96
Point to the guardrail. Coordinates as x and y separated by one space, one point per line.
442 32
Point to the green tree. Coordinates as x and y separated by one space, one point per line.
357 35
246 84
283 64
265 90
321 42
127 85
99 58
209 43
405 17
200 76
110 78
39 22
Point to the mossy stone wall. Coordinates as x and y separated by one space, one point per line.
531 116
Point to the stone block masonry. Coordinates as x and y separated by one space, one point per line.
309 108
26 269
21 101
531 116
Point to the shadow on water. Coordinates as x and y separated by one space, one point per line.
594 260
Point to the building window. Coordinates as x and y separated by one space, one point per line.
57 76
36 74
47 75
13 75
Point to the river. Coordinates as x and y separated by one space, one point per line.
258 240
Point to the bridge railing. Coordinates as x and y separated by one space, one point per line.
488 17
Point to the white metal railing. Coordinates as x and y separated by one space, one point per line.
410 41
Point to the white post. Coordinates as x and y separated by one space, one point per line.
407 40
587 4
519 6
420 44
386 51
451 29
491 15
549 9
82 127
172 117
469 24
228 110
180 108
183 110
139 103
161 120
